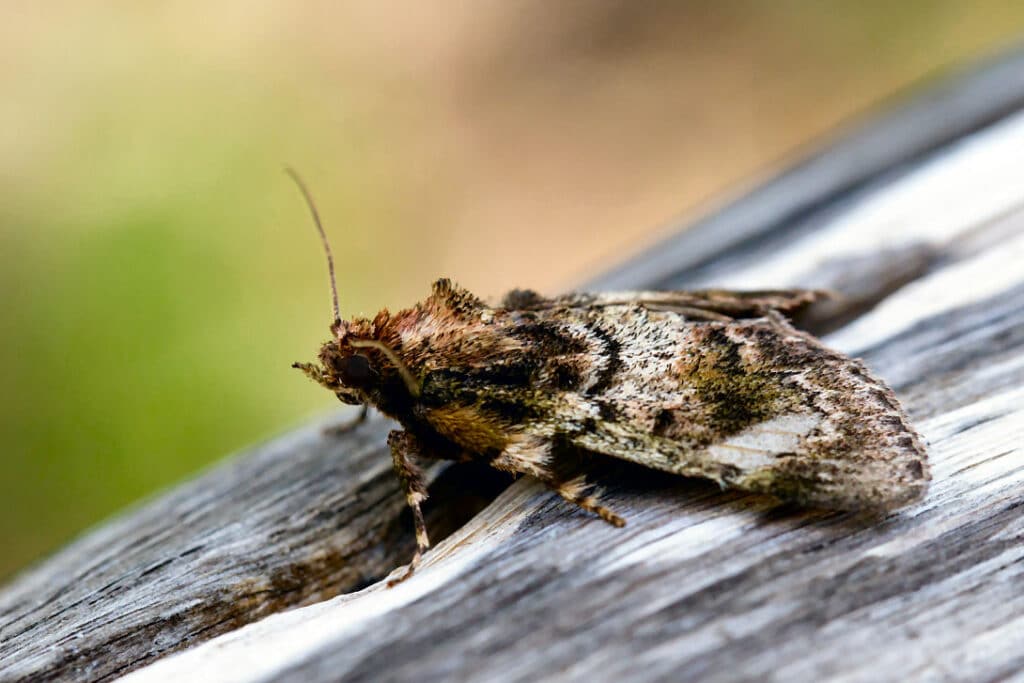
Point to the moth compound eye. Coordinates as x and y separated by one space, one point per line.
355 370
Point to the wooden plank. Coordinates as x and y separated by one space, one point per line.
701 584
707 586
292 522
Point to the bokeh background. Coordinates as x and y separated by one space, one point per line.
159 273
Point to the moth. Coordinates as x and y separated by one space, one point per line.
713 384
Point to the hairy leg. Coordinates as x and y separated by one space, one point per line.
404 448
348 425
581 493
532 455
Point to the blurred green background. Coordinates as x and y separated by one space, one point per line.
160 273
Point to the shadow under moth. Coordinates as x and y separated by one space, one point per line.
713 384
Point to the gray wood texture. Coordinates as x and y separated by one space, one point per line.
269 566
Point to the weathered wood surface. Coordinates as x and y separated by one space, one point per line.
701 585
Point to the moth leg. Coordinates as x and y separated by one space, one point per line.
525 454
404 448
575 491
532 455
348 425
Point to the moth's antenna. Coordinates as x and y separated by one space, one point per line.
323 238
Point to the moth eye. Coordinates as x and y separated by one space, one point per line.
355 370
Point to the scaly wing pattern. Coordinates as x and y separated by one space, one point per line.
707 304
710 384
752 404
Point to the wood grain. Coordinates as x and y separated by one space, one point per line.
701 585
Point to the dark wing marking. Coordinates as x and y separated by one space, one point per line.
747 401
753 405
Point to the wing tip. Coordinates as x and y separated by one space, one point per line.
875 483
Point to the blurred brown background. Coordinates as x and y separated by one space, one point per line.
160 273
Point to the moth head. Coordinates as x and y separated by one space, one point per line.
350 374
357 370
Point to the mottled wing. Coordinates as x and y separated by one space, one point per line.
707 304
752 404
732 393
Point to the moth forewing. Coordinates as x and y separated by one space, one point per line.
759 406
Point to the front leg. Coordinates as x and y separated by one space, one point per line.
405 447
348 425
